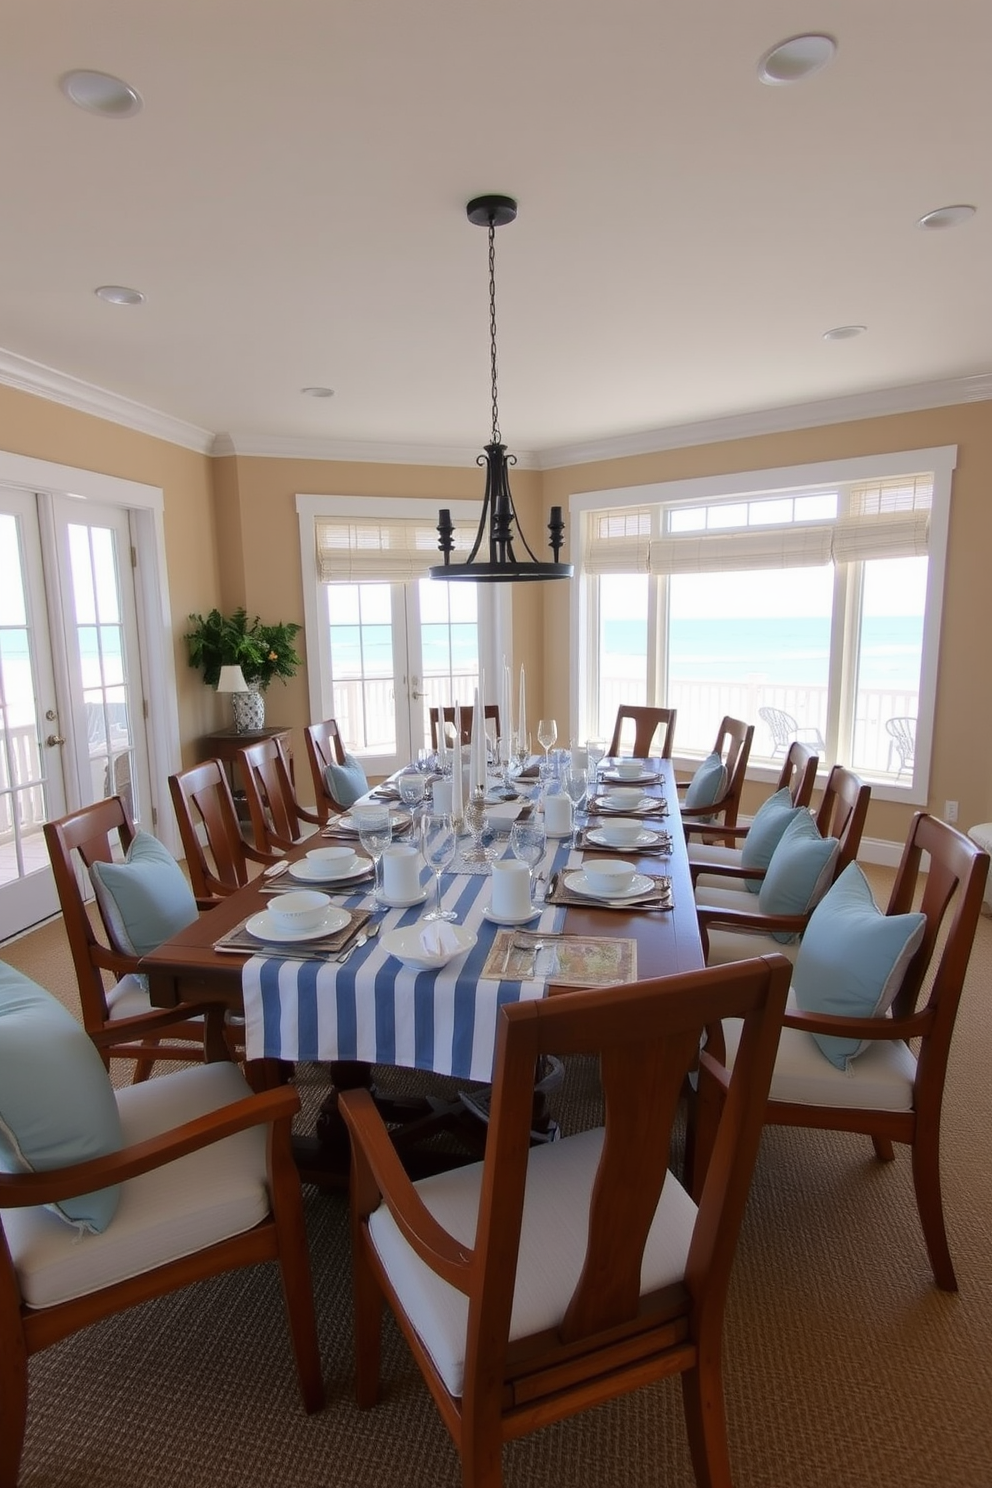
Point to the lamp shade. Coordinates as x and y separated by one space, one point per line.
232 679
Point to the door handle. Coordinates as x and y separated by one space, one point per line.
417 695
54 739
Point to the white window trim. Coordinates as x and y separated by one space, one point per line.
146 505
308 509
700 490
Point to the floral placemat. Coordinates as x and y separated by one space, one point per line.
569 960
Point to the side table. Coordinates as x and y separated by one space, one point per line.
226 744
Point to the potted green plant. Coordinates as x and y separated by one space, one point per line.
261 651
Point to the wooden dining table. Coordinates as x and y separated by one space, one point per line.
189 969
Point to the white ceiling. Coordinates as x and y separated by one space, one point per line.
291 202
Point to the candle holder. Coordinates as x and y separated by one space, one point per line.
476 856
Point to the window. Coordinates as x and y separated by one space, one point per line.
806 600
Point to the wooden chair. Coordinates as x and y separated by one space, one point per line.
490 710
647 722
732 924
798 776
277 818
893 1092
733 745
324 746
531 1286
203 801
124 1013
263 1221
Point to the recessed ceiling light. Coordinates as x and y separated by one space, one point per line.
318 392
844 333
946 217
99 93
791 61
119 294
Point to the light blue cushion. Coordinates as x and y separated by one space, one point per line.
799 872
709 782
57 1104
852 960
346 782
145 899
765 832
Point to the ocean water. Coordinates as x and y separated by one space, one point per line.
797 652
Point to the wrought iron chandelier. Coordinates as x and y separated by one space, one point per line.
499 524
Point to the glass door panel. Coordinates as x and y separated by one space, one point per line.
449 647
31 783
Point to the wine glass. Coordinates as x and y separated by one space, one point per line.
438 843
412 788
528 842
547 735
595 750
375 832
576 782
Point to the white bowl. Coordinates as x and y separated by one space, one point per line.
334 862
300 909
630 769
622 831
608 875
408 945
626 797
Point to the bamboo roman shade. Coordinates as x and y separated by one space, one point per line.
393 549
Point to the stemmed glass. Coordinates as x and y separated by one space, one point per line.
438 843
529 843
576 782
375 832
547 735
595 751
412 788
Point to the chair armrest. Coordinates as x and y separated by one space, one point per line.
378 1173
750 919
739 833
723 870
863 1028
713 809
18 1190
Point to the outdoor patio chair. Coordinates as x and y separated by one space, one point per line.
784 728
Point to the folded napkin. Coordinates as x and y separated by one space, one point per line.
658 897
438 938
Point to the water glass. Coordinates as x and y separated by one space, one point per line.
375 832
595 750
547 735
412 788
528 842
438 843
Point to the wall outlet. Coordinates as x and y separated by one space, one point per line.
951 812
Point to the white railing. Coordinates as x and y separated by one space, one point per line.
366 709
21 788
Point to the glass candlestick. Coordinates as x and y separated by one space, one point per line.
475 856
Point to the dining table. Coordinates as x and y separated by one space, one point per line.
365 1008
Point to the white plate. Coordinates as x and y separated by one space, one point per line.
306 873
487 914
406 946
346 824
264 927
644 838
646 777
579 884
605 804
404 903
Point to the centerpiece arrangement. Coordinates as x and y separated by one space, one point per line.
240 655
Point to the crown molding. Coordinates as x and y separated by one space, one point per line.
58 387
286 447
909 399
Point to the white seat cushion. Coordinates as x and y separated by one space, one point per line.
741 945
880 1079
552 1247
170 1212
730 893
698 852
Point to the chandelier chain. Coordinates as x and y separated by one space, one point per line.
492 325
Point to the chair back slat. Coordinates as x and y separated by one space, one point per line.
647 722
202 799
843 811
275 815
798 773
446 715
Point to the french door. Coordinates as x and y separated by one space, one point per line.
71 711
395 650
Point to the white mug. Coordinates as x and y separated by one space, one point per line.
401 873
511 889
441 794
557 814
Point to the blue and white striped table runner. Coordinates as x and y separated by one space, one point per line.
376 1010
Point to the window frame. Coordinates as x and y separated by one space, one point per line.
783 480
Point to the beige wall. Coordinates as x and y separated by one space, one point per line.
232 538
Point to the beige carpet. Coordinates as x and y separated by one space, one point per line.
845 1367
